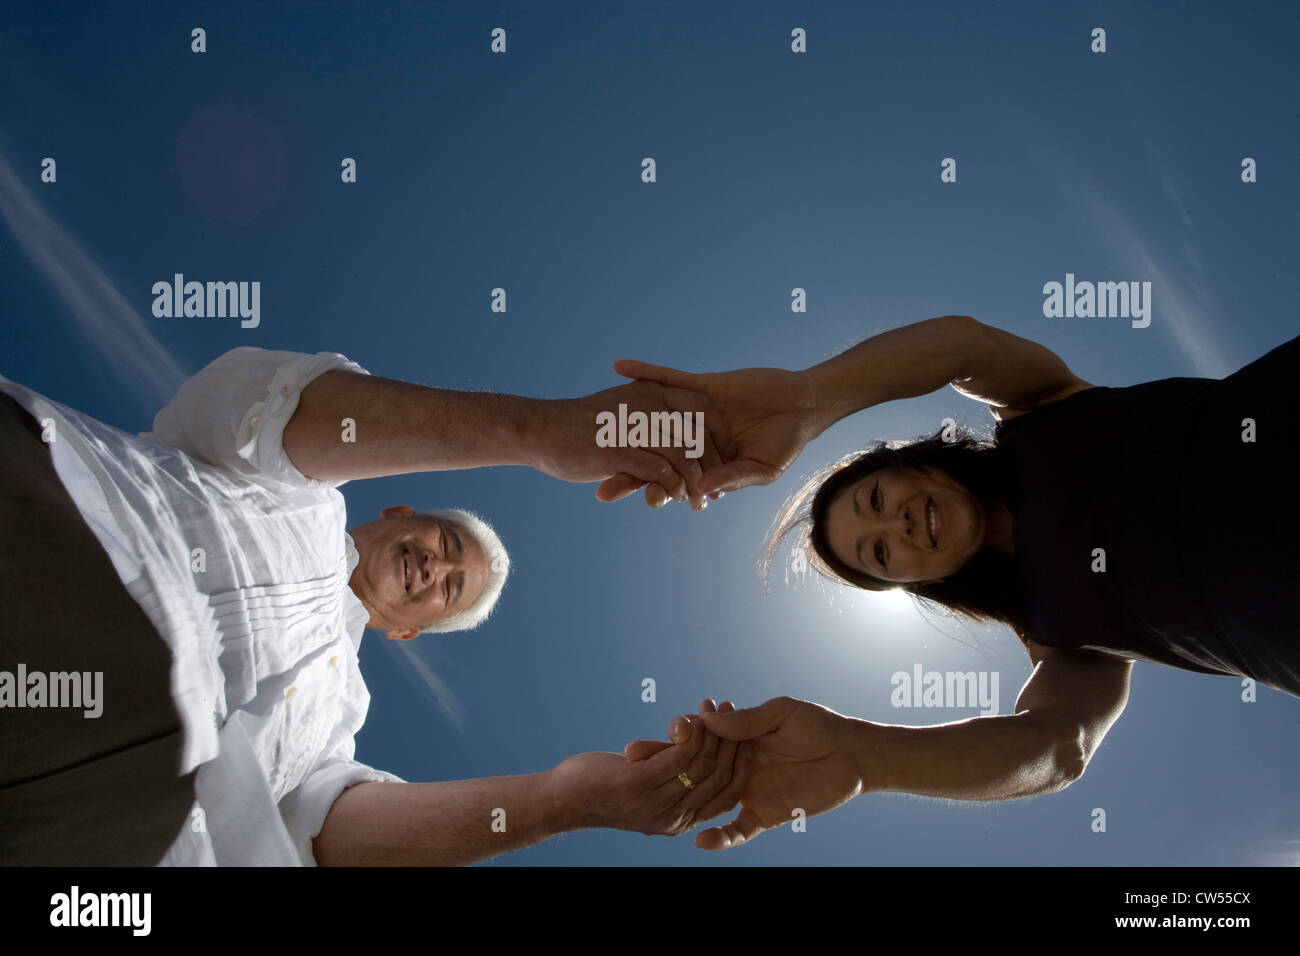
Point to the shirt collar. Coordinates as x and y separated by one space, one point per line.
355 613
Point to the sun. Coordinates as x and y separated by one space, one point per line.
893 602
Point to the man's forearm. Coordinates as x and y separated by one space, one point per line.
983 758
399 428
902 363
439 824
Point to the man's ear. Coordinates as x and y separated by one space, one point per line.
402 634
398 511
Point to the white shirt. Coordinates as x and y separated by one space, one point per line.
241 563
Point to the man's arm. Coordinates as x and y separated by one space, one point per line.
465 821
399 428
438 824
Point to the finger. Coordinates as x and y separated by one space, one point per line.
658 469
655 496
702 768
730 791
736 475
740 830
693 472
709 459
618 487
752 721
689 735
685 470
644 749
706 773
728 780
673 378
715 428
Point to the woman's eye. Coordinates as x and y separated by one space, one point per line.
880 553
875 497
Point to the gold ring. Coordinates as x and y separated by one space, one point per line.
686 781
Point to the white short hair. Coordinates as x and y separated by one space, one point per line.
498 569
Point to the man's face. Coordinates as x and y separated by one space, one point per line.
415 570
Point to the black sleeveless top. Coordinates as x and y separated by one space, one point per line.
1200 530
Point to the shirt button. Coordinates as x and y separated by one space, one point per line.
254 420
334 661
284 389
289 694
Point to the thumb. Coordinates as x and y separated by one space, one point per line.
752 721
644 749
673 378
617 487
735 475
744 828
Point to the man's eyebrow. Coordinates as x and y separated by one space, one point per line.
455 537
460 586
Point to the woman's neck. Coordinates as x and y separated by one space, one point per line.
997 531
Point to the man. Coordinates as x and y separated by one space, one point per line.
230 741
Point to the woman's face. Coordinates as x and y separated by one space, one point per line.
905 526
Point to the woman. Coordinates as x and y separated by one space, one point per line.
1103 525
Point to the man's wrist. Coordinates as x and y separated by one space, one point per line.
530 428
561 814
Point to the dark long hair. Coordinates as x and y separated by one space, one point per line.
984 589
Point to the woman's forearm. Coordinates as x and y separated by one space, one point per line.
983 758
901 363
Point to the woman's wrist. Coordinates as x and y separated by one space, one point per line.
866 742
901 363
833 397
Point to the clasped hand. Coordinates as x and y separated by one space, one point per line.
763 418
783 756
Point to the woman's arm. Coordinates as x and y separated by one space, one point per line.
1061 716
981 362
771 414
800 755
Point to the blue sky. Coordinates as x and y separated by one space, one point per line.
775 170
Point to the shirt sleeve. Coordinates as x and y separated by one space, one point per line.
304 809
232 414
